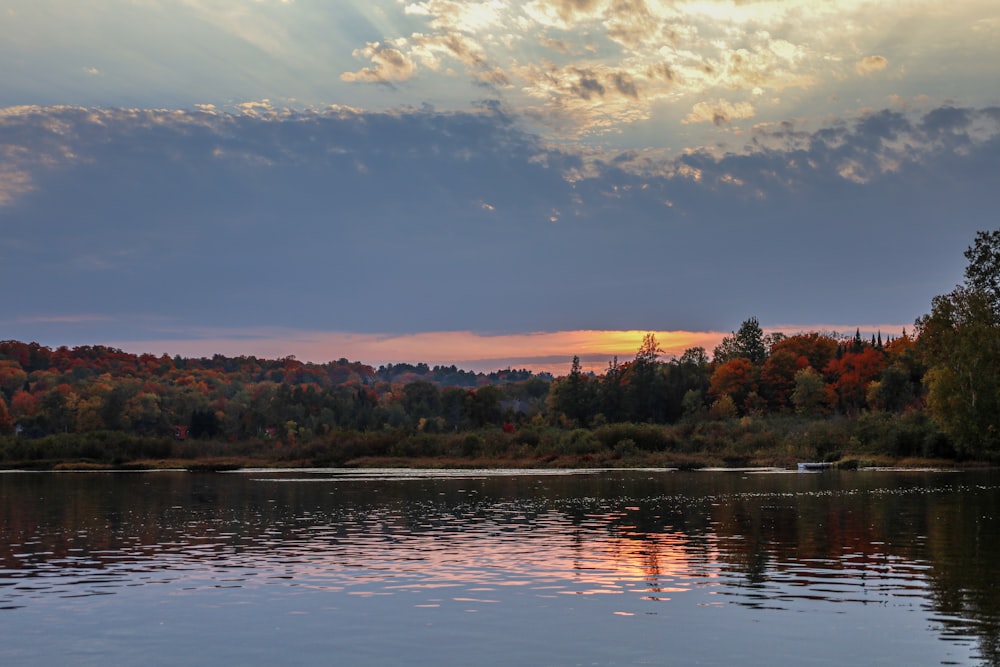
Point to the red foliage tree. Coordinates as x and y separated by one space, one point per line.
735 378
6 422
24 404
850 376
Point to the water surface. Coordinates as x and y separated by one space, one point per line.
384 567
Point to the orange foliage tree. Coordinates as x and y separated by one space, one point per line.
850 376
735 378
789 356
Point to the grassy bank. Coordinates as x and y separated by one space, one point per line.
876 438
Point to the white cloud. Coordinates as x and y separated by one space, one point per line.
389 64
721 112
871 64
452 15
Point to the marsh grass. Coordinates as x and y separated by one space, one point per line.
772 440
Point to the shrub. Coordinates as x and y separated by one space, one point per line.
646 437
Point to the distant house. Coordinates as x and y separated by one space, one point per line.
180 432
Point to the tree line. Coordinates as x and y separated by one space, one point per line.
947 370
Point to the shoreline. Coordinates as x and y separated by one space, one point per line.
664 461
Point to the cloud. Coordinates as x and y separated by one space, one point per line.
452 15
721 112
565 14
557 60
871 64
584 99
61 319
13 182
389 64
427 48
638 54
468 221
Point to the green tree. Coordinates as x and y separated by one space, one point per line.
644 382
482 406
204 424
688 374
421 399
983 271
56 413
693 405
572 396
611 395
893 391
453 406
746 343
809 394
960 342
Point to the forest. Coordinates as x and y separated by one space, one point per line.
757 398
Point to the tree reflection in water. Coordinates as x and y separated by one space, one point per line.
927 541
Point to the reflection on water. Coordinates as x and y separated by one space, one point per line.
502 567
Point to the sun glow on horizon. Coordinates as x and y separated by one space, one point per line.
550 352
543 351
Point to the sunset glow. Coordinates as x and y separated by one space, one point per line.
550 352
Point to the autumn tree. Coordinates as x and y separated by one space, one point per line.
777 376
24 405
12 377
850 376
817 348
6 422
735 379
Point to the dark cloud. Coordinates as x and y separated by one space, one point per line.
341 220
587 85
625 84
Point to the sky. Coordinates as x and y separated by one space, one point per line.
489 184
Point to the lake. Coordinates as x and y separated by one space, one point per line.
394 567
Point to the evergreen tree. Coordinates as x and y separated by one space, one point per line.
644 386
747 343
